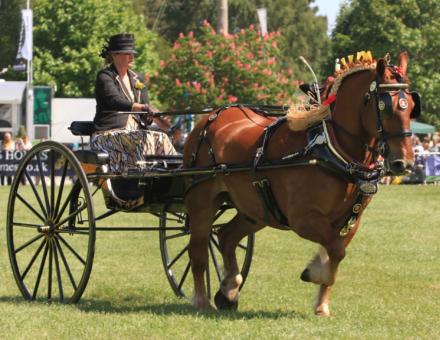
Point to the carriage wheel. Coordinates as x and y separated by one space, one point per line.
174 250
50 225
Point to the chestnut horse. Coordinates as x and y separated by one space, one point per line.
314 202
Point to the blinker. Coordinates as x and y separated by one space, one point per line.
415 113
385 104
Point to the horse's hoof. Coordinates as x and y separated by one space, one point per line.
305 275
323 311
223 303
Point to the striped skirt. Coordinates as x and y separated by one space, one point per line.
127 147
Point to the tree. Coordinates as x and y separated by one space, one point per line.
297 20
69 35
10 24
212 69
394 26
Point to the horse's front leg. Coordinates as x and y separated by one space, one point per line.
323 268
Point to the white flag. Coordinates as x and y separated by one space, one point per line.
26 48
262 18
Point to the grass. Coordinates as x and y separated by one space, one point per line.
388 285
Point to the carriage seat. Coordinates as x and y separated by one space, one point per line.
82 128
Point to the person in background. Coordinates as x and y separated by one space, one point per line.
7 145
27 143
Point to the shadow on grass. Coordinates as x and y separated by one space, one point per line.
184 308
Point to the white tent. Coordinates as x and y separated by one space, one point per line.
12 105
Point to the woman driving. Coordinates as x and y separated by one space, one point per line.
125 137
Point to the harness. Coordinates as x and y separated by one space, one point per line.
322 150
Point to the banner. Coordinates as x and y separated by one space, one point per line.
262 18
26 38
9 161
432 165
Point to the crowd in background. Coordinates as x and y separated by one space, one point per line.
20 143
424 147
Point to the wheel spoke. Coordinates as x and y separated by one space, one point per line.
40 271
37 195
184 233
215 242
33 259
178 257
58 236
241 246
60 190
30 207
43 184
26 225
185 273
63 258
49 274
64 206
60 223
52 183
58 271
28 243
215 262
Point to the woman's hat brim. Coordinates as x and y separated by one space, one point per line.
123 52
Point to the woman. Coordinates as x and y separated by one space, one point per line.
8 144
124 137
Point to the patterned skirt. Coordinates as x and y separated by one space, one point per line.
127 147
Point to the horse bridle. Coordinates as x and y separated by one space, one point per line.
383 94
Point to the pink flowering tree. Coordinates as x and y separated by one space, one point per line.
213 70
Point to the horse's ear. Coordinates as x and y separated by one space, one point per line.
380 67
403 62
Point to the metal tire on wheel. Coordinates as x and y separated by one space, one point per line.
174 237
51 255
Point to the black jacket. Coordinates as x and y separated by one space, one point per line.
111 96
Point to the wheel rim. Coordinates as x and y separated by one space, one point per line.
50 225
175 258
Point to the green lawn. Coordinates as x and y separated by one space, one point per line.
388 285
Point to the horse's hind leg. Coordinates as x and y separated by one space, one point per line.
201 212
229 237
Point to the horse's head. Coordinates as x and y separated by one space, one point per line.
395 106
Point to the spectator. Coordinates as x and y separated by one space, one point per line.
27 143
7 145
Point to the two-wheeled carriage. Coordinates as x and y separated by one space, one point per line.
52 223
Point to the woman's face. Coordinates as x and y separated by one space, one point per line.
123 59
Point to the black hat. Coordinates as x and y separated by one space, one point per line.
119 43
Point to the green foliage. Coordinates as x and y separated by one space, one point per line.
69 36
394 26
10 24
212 69
304 31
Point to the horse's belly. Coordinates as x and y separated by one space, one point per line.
298 192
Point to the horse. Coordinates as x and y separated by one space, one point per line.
323 203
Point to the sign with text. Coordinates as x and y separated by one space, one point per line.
9 161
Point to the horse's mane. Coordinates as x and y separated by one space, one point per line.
303 115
